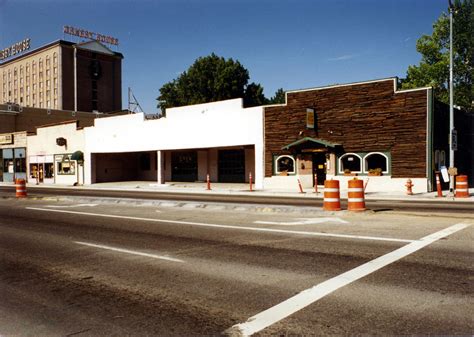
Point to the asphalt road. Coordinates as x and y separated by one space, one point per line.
102 269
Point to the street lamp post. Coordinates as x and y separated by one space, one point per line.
451 107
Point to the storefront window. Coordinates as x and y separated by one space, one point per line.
285 164
33 171
8 165
20 165
376 161
64 164
48 170
350 163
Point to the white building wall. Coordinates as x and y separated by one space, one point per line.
42 147
210 125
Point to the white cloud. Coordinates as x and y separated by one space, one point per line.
343 57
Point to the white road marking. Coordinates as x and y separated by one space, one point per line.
303 221
120 250
71 206
256 229
309 296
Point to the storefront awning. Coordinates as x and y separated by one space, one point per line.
308 141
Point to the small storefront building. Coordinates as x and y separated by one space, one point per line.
219 139
370 130
52 154
12 156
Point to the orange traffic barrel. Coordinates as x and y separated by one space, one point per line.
355 198
462 188
20 185
332 198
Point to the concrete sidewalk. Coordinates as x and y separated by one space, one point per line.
243 189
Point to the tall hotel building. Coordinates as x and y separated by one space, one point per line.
63 75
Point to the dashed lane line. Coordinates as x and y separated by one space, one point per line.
127 251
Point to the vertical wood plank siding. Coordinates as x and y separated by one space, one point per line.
362 117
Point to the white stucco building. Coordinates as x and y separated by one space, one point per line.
221 139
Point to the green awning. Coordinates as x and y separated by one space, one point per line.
310 140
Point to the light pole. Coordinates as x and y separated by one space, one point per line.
451 107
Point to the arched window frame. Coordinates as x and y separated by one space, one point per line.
387 162
285 156
339 162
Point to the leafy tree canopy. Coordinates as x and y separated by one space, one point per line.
209 79
433 69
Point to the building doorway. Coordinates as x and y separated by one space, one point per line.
232 166
319 167
184 166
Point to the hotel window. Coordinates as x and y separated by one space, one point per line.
55 58
40 64
48 83
48 93
55 70
21 70
27 99
34 86
55 82
47 61
55 103
41 75
14 72
34 97
55 92
41 85
34 77
27 79
15 83
27 69
48 103
47 72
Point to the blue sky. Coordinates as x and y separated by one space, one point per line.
289 44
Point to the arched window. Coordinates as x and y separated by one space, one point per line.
285 164
376 161
350 162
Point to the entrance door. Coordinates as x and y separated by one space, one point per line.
319 167
41 173
184 166
232 166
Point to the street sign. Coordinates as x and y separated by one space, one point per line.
454 140
444 174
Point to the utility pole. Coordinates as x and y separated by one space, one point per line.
451 103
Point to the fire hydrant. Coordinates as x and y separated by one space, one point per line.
409 185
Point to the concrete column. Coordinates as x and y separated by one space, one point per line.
259 166
89 169
160 156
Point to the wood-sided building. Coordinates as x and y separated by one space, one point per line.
367 129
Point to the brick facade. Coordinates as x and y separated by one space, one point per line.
361 117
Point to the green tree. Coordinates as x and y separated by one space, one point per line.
209 79
278 98
433 69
